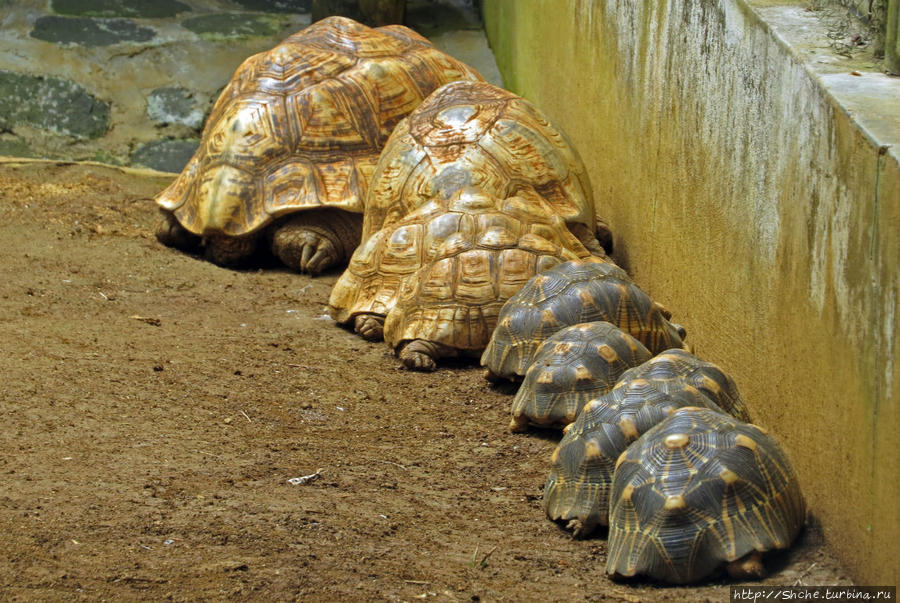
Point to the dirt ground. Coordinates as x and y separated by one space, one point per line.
154 407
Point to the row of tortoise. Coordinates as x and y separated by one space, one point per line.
467 223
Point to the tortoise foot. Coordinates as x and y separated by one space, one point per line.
582 528
490 376
518 424
418 361
369 326
304 250
421 355
171 233
577 528
749 566
314 241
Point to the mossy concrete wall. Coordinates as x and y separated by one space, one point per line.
761 204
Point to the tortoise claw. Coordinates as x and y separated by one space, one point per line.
318 253
369 326
518 424
304 250
417 361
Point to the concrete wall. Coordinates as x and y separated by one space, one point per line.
745 198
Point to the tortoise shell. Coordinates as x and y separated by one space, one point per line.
511 239
700 490
577 489
705 376
301 126
571 367
475 134
474 251
572 293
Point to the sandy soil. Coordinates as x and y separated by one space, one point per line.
155 406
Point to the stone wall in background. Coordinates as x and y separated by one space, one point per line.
125 81
751 178
130 82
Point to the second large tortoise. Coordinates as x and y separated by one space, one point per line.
474 134
432 284
291 144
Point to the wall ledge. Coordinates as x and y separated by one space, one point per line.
858 85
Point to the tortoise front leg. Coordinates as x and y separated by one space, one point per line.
171 233
421 355
315 240
229 251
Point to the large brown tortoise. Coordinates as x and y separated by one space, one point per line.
581 469
572 293
291 144
473 134
573 366
699 491
432 284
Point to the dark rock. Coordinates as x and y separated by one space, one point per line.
373 13
431 18
167 155
277 6
50 103
230 26
89 31
140 9
174 106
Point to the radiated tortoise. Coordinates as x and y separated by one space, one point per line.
581 469
572 293
570 368
698 491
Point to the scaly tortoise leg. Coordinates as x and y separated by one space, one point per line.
315 240
421 355
229 251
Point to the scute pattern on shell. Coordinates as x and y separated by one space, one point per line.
473 251
705 376
301 125
570 368
473 134
698 490
577 489
572 293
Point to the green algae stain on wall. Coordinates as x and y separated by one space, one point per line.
221 27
